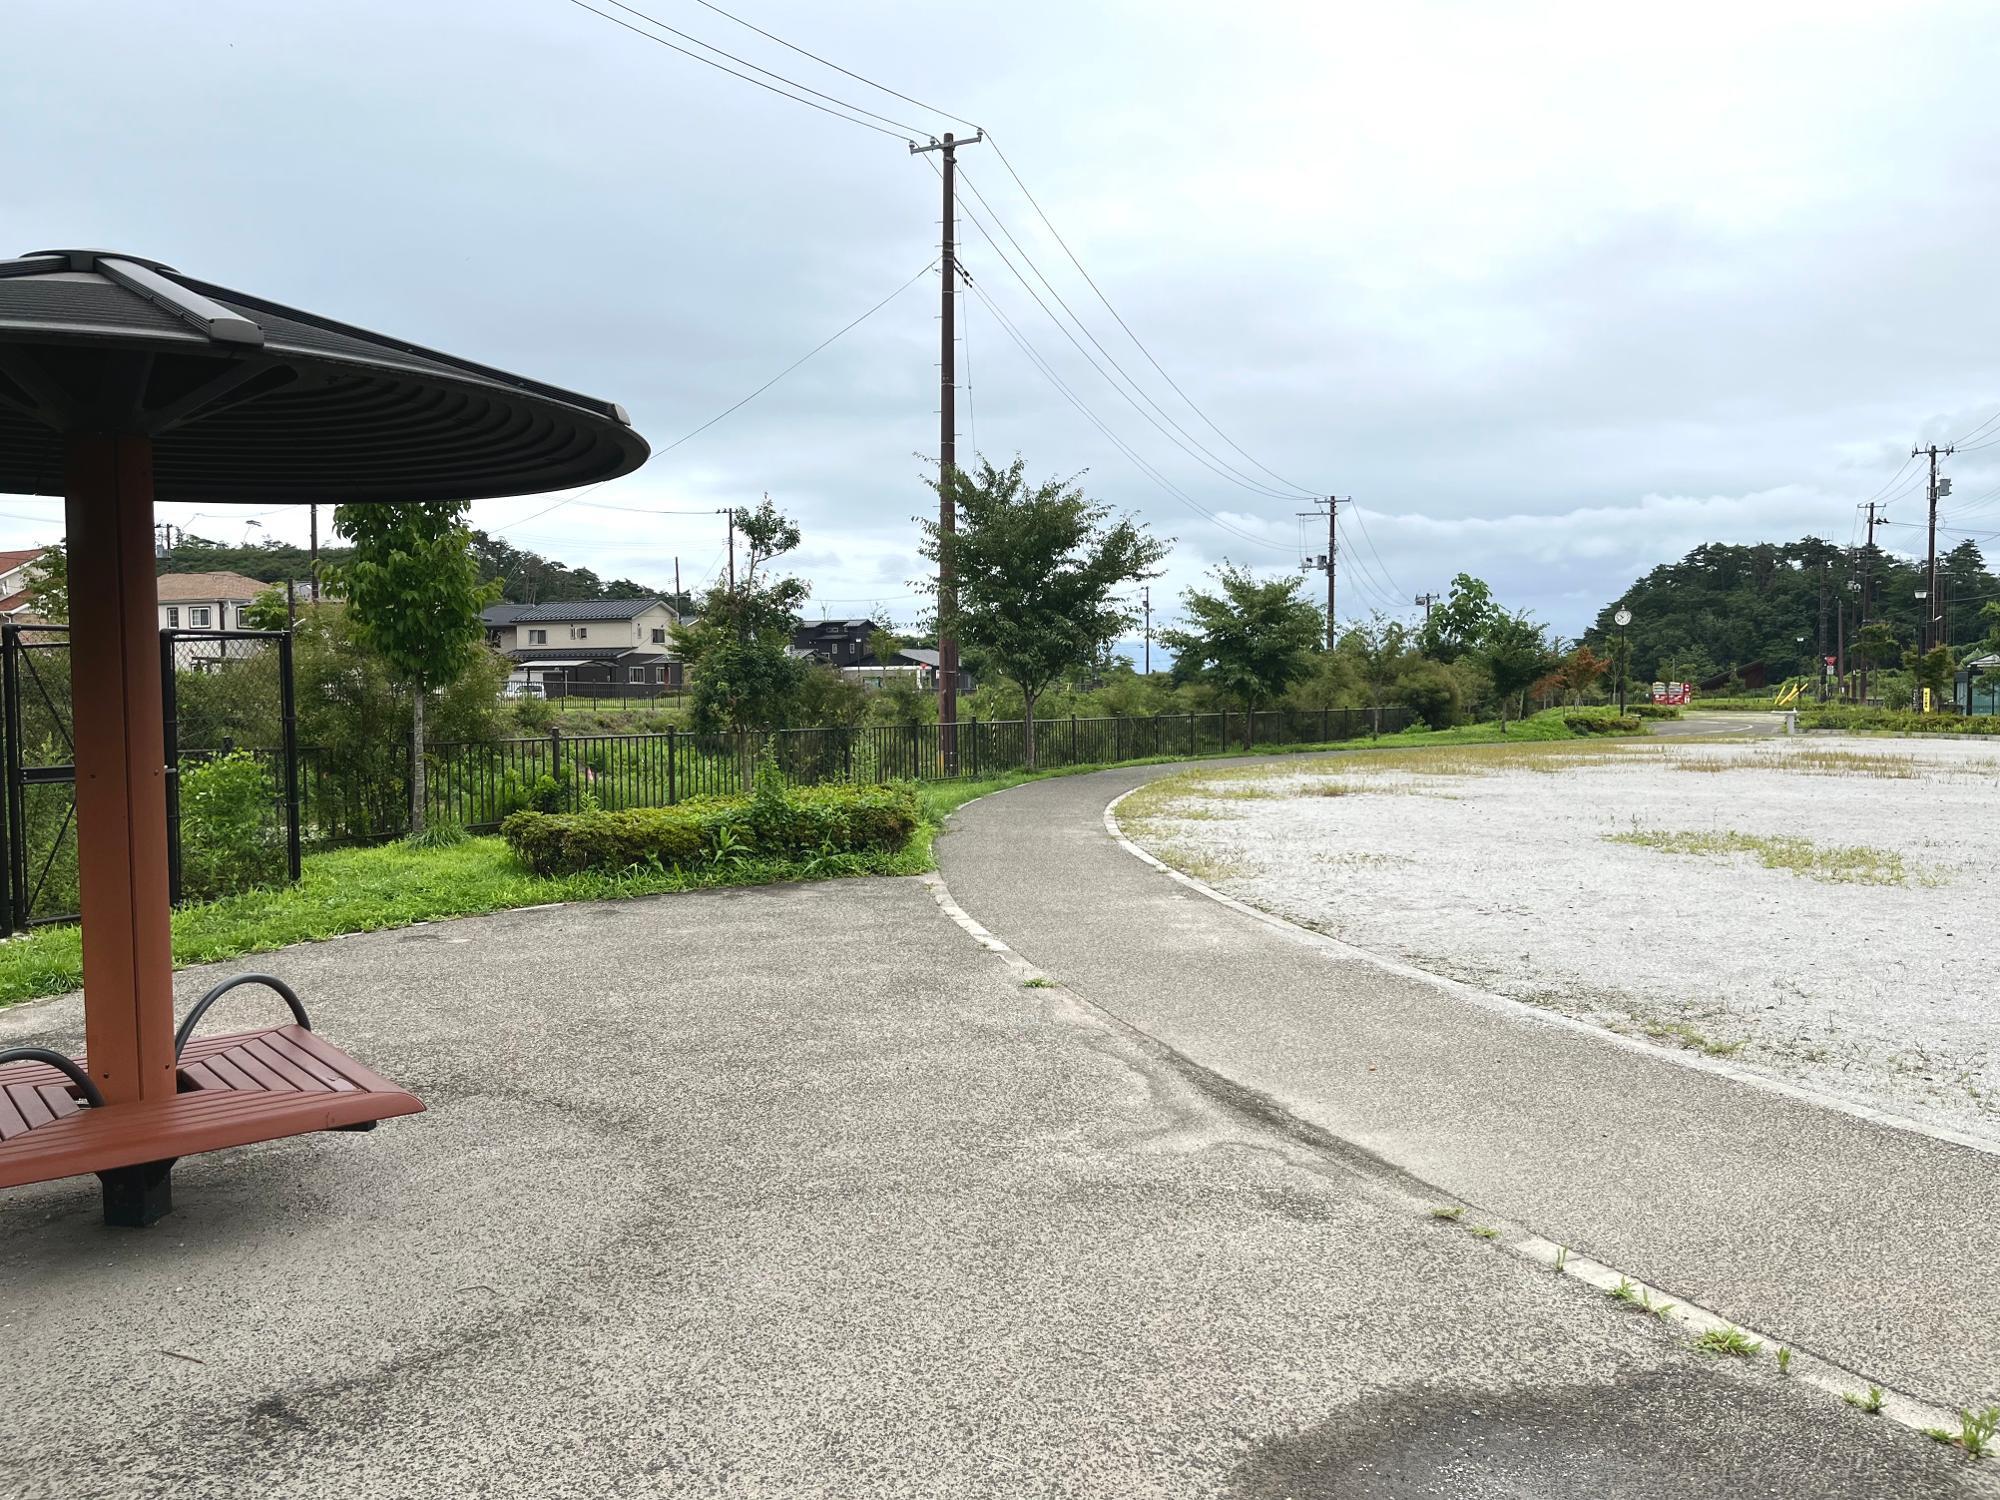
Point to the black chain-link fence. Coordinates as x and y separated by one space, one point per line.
232 799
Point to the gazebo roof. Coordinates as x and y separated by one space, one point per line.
247 399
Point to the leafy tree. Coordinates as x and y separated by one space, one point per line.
1515 652
739 651
1618 661
1454 628
1876 644
1379 649
48 585
1577 671
1038 571
415 595
268 611
1251 639
1932 669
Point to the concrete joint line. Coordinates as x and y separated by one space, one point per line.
1524 1011
1411 1193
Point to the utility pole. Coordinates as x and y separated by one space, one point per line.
315 553
1330 559
730 513
1147 595
947 150
1939 488
1426 599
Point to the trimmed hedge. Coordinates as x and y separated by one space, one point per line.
771 825
1652 711
1577 723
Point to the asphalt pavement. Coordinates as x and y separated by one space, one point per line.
802 1192
1869 1245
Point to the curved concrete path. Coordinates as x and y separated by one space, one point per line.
1866 1244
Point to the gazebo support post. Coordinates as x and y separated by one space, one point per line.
121 793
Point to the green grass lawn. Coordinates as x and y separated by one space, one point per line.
394 885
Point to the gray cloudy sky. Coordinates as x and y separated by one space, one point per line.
1556 295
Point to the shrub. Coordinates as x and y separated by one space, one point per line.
1589 723
775 822
230 837
1652 711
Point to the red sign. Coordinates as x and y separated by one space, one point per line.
1673 694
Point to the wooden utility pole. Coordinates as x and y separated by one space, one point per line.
948 449
315 552
1330 560
1426 599
1146 594
1939 488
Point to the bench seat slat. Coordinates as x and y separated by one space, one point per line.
11 1122
293 1075
29 1101
305 1062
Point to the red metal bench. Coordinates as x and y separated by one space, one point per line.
234 1090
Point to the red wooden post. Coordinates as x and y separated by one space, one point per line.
121 781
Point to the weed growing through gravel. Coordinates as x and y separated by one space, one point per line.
1485 1232
1975 1431
1624 1292
1450 1215
1657 1309
1853 864
1562 1256
1784 1360
1731 1341
1870 1403
1038 984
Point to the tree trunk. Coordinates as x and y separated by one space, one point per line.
1249 722
1503 713
417 760
1028 729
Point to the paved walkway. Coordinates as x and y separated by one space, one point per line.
801 1192
1868 1245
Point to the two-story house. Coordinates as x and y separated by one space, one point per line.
206 601
594 647
838 643
17 572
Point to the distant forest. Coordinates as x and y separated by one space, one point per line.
1721 608
525 577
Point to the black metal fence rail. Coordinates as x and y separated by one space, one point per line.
476 784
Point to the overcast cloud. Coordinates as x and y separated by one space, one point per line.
1556 292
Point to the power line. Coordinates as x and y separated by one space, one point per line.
828 63
1036 205
768 88
1063 328
1220 465
1391 577
830 338
1035 357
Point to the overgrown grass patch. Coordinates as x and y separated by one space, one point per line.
1846 864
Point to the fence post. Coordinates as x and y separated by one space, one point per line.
672 794
972 742
555 759
847 754
289 739
17 802
1072 739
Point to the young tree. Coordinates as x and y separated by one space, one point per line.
1932 669
1250 639
738 651
1038 570
1455 628
1379 649
1515 652
1876 644
1578 670
414 594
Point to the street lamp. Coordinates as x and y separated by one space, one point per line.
1621 620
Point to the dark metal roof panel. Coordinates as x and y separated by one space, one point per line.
586 609
249 400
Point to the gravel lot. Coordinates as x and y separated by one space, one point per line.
1815 908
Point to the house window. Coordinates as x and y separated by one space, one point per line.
198 618
638 674
579 632
537 637
659 635
173 617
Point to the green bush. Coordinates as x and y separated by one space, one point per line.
1600 723
1894 721
775 822
1652 711
231 835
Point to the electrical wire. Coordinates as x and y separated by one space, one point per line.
828 63
572 499
1355 511
769 88
1048 372
1063 328
1959 442
1220 465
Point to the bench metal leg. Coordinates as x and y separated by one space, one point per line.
137 1196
